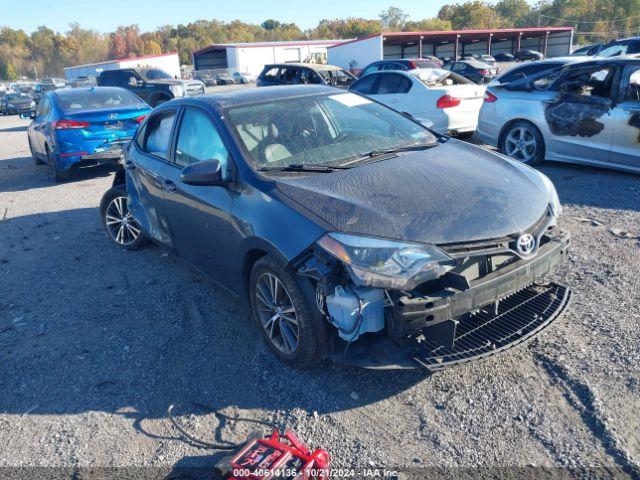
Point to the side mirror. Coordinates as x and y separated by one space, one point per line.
204 173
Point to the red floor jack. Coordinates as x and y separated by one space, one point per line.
276 457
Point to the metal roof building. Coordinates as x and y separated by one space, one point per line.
168 62
552 41
252 57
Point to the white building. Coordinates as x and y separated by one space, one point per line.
168 62
252 57
357 54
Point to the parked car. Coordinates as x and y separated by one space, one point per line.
206 77
405 64
504 57
152 85
488 59
80 127
588 114
533 68
16 103
451 102
303 74
41 88
83 81
353 231
475 71
589 50
523 55
626 46
224 78
243 77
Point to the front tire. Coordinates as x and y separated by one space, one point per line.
120 225
283 314
523 141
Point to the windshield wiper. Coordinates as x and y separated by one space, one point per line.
303 167
389 151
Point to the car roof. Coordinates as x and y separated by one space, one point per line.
247 96
312 66
67 91
474 63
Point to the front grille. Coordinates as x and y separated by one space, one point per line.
519 317
473 268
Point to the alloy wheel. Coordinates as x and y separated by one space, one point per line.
521 144
120 223
277 313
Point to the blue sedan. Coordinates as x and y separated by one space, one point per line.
75 128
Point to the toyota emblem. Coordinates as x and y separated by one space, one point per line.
526 244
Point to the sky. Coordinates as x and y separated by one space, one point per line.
106 15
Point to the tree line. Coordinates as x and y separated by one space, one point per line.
46 52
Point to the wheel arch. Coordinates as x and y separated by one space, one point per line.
506 126
159 96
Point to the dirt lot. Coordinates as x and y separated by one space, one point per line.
96 342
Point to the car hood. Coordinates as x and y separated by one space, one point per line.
452 193
176 81
21 101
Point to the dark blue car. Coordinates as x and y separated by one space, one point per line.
353 231
74 128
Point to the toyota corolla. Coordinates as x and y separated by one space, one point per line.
354 232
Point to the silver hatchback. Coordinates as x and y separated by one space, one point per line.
587 113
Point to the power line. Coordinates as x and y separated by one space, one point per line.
584 21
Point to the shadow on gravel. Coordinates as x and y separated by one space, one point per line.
86 326
21 173
594 187
22 128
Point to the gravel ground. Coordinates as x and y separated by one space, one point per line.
96 342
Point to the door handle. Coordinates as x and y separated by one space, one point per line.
129 165
168 185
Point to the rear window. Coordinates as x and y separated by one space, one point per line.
96 99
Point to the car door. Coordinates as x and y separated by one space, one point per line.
578 113
37 129
625 149
145 166
133 81
200 216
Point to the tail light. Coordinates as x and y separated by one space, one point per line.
412 64
484 72
141 118
447 101
66 124
489 97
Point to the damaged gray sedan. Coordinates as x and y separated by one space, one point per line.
355 233
586 113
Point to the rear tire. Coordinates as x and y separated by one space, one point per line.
122 229
523 141
283 314
159 101
58 175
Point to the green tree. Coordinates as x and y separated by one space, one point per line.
393 19
7 71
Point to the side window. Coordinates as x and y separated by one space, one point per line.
595 82
40 109
46 107
615 50
271 74
392 83
158 134
370 69
364 85
632 82
289 75
458 67
198 139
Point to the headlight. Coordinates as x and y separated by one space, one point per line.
554 200
379 263
177 90
33 104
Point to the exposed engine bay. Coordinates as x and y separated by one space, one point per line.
484 298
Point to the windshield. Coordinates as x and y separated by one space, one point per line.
97 99
16 96
155 74
321 130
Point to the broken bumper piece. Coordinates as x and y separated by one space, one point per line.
453 326
518 318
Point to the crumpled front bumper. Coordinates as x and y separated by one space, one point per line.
497 312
